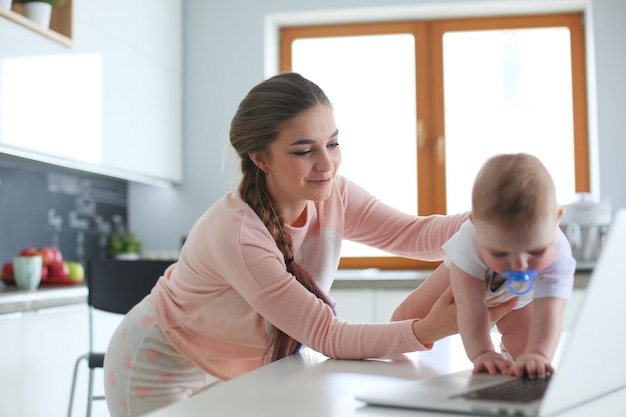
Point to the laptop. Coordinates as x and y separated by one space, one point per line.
593 362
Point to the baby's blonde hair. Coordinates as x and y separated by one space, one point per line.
513 190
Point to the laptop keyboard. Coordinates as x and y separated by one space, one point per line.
519 390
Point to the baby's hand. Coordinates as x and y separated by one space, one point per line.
493 363
533 365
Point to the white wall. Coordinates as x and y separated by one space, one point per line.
225 55
609 31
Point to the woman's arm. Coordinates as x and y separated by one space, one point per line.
371 222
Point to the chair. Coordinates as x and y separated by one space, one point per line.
114 286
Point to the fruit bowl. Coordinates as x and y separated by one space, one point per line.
55 270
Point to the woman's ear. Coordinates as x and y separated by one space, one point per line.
258 159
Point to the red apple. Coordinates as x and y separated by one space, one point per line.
50 255
59 271
30 251
58 256
7 270
44 273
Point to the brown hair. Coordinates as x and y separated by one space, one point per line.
255 125
513 190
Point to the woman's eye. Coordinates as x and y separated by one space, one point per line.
309 151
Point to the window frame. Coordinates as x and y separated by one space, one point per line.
431 164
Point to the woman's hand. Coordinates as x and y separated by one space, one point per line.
441 321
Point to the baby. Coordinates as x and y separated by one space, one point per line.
511 246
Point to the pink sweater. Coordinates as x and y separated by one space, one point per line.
230 279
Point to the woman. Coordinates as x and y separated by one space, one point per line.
251 281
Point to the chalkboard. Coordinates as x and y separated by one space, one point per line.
46 205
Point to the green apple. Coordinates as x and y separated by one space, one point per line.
77 272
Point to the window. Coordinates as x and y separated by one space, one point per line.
421 105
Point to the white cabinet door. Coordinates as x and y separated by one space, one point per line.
140 45
115 106
367 304
377 305
53 338
11 360
387 300
355 305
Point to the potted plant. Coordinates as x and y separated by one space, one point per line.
39 11
123 246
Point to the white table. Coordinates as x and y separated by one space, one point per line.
311 385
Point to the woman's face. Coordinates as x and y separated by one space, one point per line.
301 164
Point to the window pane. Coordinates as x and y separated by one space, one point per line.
371 83
507 91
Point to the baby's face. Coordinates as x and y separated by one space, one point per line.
517 249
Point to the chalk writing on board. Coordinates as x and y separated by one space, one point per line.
83 217
44 205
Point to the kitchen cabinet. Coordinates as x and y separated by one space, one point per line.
39 350
11 361
52 340
356 305
367 304
110 104
377 304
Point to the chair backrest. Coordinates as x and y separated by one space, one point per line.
115 286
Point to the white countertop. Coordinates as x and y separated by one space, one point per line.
310 385
15 300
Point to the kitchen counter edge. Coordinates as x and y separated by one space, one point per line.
14 300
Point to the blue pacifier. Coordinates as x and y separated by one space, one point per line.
524 277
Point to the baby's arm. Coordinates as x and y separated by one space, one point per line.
419 302
545 331
474 323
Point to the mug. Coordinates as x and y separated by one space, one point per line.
27 271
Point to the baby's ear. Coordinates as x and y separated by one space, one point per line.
560 213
